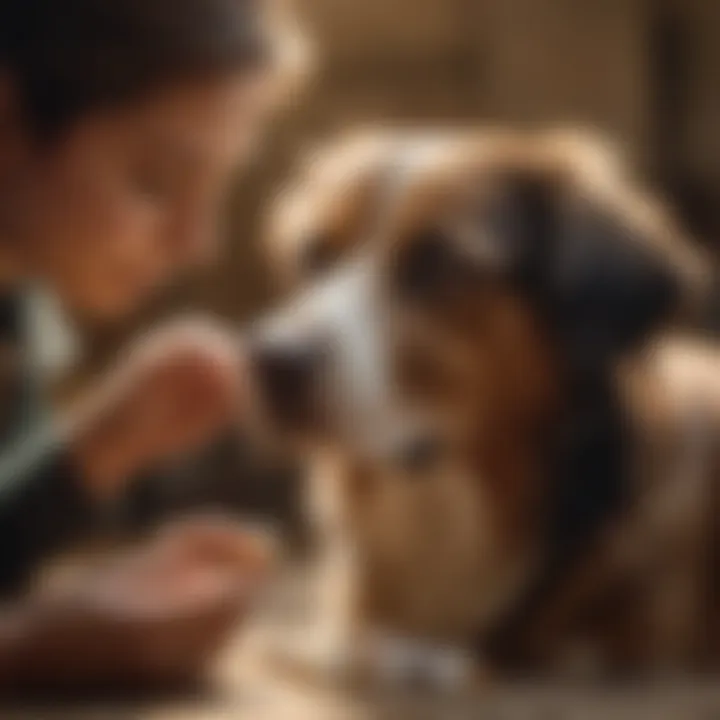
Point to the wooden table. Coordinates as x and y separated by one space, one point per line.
247 688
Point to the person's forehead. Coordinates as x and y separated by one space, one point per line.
192 117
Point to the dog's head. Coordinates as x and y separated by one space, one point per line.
449 281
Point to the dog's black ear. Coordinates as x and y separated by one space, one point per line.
602 286
609 288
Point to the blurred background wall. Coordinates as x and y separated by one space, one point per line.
647 72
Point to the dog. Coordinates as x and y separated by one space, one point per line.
510 440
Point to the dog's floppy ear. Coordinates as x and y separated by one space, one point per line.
609 287
602 284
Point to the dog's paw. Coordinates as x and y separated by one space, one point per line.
381 663
316 660
406 663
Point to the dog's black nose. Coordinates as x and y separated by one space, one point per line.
420 453
288 375
286 368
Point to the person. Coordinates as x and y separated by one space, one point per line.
121 124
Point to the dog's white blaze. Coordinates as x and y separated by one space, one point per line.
360 379
345 312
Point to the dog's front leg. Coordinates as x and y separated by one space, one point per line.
328 647
337 646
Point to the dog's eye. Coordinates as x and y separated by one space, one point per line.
425 265
317 257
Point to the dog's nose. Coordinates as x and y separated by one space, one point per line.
420 453
288 375
286 368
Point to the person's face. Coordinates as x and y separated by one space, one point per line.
128 199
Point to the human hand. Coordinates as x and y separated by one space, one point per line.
172 392
154 618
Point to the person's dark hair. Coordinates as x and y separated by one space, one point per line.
70 57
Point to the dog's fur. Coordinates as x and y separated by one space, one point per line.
511 446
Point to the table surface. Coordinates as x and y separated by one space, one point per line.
247 687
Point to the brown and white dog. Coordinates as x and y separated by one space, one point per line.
510 446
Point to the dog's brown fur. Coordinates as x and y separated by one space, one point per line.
450 555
